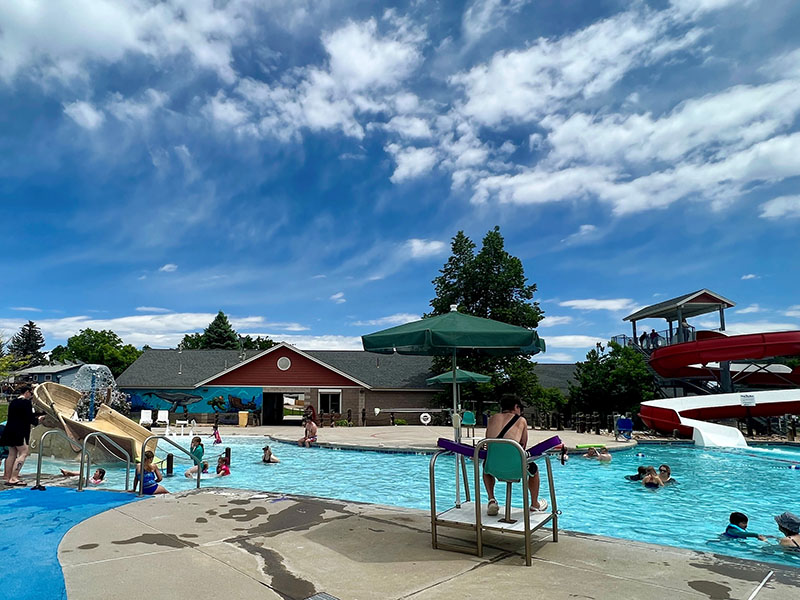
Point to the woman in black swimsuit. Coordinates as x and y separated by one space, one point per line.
17 433
789 524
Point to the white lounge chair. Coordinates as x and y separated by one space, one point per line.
146 418
163 418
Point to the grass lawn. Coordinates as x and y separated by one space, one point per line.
3 412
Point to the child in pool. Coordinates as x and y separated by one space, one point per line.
651 479
96 479
737 528
640 473
222 467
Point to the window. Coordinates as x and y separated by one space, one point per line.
284 363
330 401
48 377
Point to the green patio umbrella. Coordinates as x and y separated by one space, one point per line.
451 334
462 376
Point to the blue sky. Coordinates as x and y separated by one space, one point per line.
303 166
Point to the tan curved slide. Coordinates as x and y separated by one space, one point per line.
61 402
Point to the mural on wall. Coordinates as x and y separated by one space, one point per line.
201 400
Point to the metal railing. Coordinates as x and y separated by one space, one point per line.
72 443
181 448
649 342
84 453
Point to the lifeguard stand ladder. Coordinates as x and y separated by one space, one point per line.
469 515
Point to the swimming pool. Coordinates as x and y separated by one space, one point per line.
594 497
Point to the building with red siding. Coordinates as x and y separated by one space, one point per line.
196 384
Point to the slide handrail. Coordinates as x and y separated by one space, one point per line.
147 440
72 443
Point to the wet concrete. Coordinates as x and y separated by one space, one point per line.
294 547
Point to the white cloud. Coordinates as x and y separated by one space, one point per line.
753 308
411 162
395 319
793 311
523 85
55 38
127 109
750 276
716 124
168 268
755 327
152 309
338 298
554 357
84 114
549 321
482 16
696 8
361 59
25 308
592 304
573 341
781 207
425 248
584 232
409 127
321 342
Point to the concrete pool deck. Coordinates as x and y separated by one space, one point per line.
228 543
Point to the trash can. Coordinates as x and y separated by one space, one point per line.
243 414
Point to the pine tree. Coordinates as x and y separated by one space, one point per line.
220 335
489 284
27 344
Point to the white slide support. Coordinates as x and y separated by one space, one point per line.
711 435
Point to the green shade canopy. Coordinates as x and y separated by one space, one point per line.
461 377
454 333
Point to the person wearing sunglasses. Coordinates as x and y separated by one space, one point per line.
665 475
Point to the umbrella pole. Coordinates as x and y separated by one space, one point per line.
456 432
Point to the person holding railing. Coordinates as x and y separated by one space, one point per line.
654 337
686 331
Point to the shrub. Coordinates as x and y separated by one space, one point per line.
400 422
342 423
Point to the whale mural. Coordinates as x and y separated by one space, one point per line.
201 400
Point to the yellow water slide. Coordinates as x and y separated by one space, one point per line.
61 403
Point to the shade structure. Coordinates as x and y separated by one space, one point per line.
462 376
454 333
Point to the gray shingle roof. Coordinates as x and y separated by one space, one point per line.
393 371
170 369
163 369
556 376
49 369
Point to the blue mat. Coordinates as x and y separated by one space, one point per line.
32 524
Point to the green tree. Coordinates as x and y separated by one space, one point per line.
27 344
221 335
99 348
489 284
8 362
192 341
258 343
614 381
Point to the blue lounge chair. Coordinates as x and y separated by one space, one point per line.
624 428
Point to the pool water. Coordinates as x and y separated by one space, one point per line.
594 497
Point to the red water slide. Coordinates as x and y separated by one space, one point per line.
713 347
